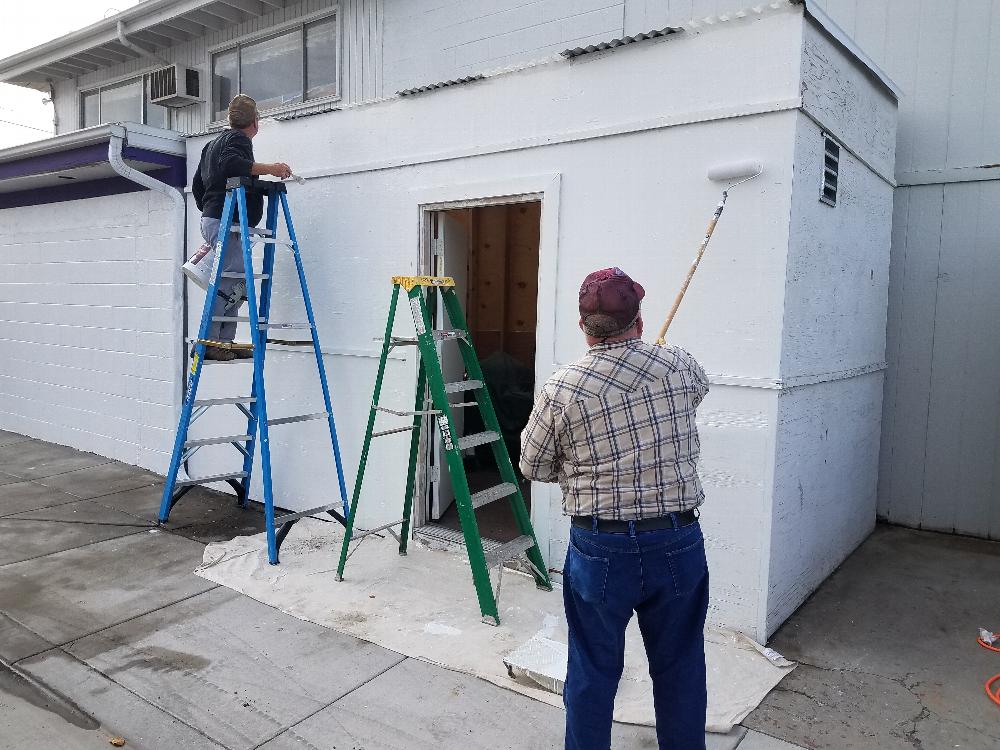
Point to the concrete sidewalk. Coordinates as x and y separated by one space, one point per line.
104 631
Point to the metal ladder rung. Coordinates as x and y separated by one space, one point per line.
285 326
399 341
213 478
479 438
384 527
232 319
485 497
299 418
450 334
304 513
221 401
218 440
383 433
425 412
509 551
272 241
462 386
239 275
235 229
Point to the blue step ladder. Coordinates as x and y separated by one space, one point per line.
254 406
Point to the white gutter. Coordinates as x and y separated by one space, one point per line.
119 137
137 48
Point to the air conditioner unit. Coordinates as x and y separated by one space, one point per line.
175 86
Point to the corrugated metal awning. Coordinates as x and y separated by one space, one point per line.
151 26
611 44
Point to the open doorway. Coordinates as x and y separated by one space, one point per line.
492 253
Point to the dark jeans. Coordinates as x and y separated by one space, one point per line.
662 576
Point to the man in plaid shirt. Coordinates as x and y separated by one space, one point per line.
617 431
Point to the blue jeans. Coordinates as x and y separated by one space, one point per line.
663 577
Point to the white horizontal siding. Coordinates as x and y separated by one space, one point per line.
88 325
939 467
360 50
945 56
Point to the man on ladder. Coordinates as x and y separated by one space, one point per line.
230 155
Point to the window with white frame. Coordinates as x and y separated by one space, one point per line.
294 66
124 101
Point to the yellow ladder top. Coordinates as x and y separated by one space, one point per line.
408 282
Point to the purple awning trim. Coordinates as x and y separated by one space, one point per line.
172 171
55 162
88 189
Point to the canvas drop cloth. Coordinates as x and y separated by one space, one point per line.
423 605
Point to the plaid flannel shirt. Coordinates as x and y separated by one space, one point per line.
617 431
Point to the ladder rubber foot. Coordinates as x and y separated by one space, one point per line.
542 587
491 620
339 578
272 562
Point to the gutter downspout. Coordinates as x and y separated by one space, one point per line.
119 136
137 48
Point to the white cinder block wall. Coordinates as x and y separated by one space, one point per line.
618 144
88 325
833 334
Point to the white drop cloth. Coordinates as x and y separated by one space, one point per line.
423 605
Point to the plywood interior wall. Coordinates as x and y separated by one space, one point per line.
503 279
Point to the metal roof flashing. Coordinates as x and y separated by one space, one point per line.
819 16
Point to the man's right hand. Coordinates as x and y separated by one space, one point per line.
280 170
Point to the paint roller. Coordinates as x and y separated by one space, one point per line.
735 173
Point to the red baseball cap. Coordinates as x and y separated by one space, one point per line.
609 302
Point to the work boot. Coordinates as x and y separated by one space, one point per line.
243 353
219 354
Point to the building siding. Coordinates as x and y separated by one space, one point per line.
90 320
360 58
939 466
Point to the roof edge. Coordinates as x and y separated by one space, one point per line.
844 40
145 14
139 136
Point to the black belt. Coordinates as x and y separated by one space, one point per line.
608 526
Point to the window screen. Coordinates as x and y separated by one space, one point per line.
321 59
123 102
90 108
225 82
298 65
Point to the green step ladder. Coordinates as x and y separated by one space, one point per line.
422 292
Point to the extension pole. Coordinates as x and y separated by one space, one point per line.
661 338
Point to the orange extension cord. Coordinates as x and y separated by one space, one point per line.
994 694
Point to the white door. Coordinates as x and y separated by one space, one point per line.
451 258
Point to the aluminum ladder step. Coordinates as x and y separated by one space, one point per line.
212 478
235 229
285 326
240 275
509 551
462 386
222 401
479 438
485 497
218 440
299 418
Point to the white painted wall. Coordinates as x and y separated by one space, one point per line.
619 144
89 321
940 467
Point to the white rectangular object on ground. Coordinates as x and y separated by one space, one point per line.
424 605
